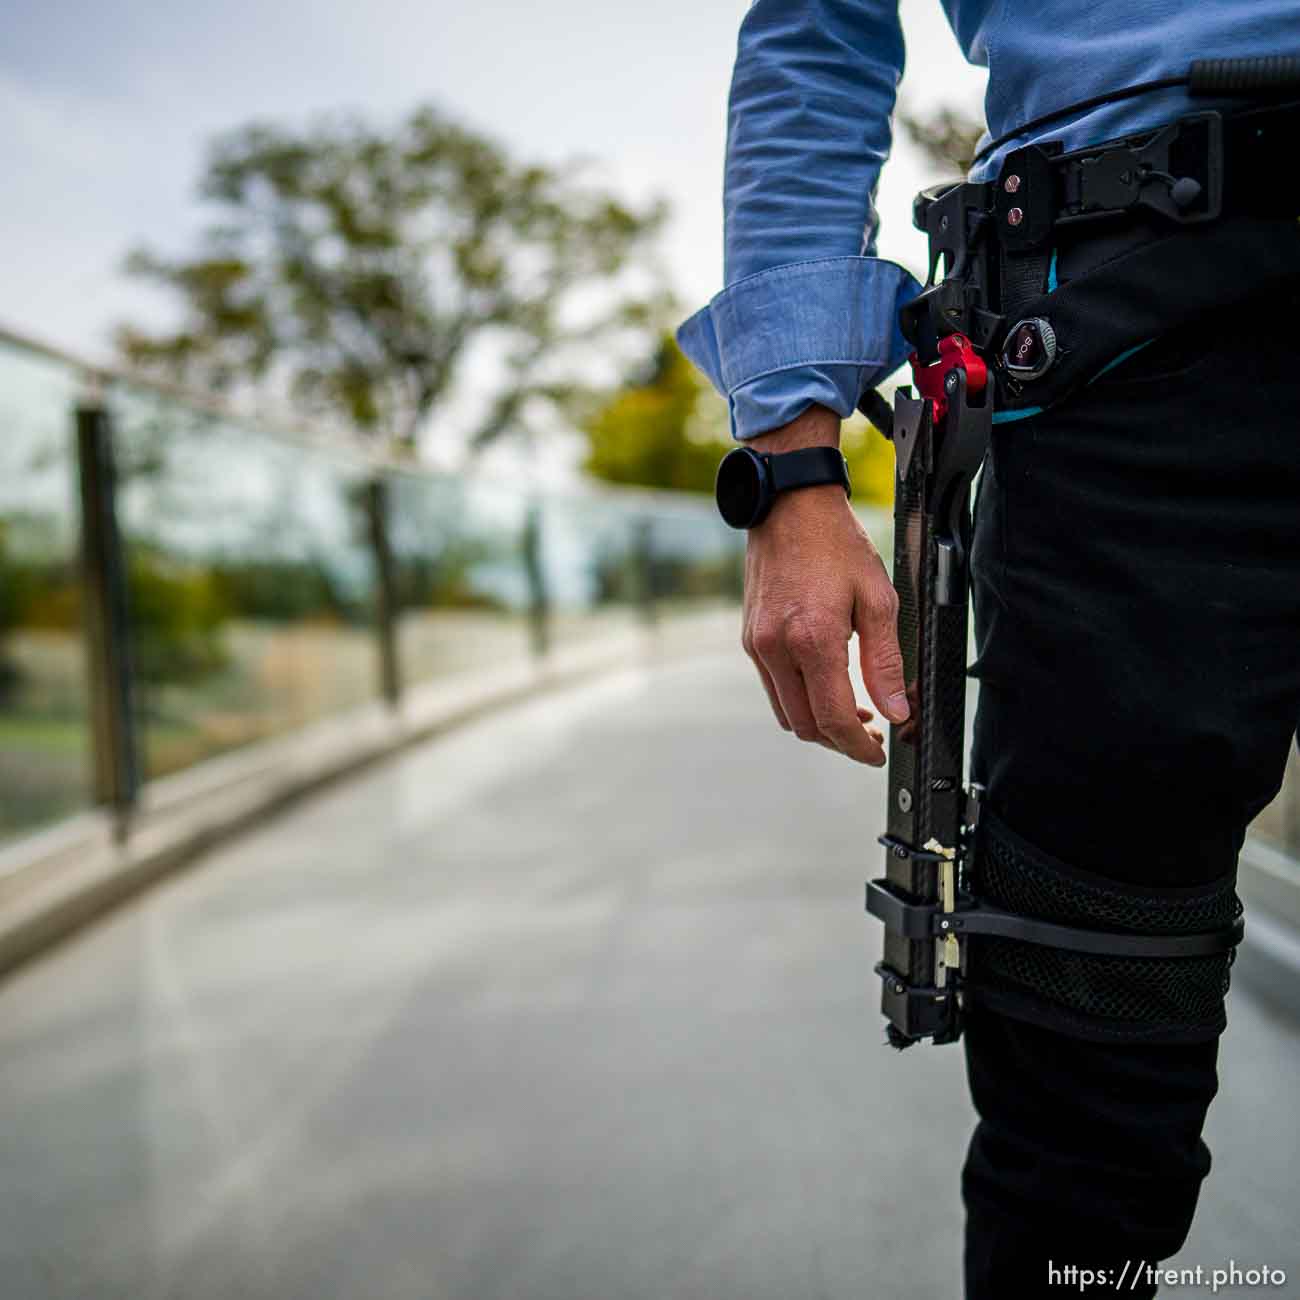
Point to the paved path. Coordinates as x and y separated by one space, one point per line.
574 1004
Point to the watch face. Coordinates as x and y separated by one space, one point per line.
739 487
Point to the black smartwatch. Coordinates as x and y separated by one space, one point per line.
748 481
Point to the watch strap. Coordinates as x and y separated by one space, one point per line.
807 467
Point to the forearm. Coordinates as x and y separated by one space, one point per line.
809 316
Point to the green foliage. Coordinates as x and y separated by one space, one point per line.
445 581
15 584
871 462
38 589
14 596
280 591
663 430
176 618
947 137
354 269
666 430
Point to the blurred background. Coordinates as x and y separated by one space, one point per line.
349 472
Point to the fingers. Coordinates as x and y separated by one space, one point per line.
830 693
875 618
772 698
865 716
907 731
804 669
771 649
776 661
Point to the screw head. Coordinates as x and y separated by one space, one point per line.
1011 184
1015 217
950 382
943 223
897 987
904 799
943 925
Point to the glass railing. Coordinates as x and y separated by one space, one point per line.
249 579
271 579
462 586
268 579
44 731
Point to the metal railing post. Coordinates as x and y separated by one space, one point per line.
114 739
643 549
539 603
386 598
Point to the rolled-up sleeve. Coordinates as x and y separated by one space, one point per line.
808 314
780 340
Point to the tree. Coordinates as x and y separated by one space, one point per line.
352 271
666 429
176 620
947 136
662 429
871 462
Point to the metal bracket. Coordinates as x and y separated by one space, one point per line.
1143 176
911 428
957 218
918 1011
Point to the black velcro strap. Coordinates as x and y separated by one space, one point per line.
1024 277
1121 999
1147 290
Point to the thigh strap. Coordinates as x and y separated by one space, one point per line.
1108 997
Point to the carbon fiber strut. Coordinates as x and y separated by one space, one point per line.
925 900
926 837
940 437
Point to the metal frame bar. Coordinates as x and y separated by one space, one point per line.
114 730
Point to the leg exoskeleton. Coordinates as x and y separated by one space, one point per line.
1037 939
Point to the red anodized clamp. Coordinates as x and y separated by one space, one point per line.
956 352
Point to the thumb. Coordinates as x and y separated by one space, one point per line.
875 619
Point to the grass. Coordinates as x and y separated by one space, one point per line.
42 735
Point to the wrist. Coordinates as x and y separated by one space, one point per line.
797 513
818 426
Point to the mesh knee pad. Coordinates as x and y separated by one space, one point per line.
1122 999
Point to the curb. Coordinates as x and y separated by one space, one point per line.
64 877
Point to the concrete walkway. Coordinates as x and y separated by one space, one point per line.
573 1004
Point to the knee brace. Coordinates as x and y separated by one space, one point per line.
1118 995
1030 937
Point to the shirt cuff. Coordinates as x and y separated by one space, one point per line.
818 331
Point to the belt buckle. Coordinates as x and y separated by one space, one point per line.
1129 177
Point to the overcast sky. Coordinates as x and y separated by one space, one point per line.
106 105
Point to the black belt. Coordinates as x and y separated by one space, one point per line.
1190 171
1198 169
1191 216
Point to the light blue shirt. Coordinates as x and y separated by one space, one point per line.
809 313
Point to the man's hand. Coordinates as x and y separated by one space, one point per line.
813 578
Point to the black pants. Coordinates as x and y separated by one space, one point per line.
1137 613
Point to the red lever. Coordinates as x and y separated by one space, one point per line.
956 352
